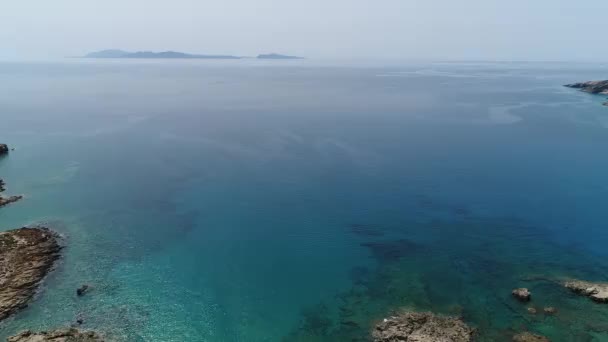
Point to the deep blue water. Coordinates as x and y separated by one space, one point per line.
290 201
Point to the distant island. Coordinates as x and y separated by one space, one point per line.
151 54
114 53
277 56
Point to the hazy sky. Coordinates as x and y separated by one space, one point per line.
387 29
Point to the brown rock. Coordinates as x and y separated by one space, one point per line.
422 327
26 257
522 294
59 335
529 337
598 292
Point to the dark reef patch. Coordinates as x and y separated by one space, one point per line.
390 251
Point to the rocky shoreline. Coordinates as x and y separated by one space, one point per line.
59 335
26 257
598 292
422 327
592 87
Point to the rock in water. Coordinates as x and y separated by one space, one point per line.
422 327
529 337
8 200
522 294
26 257
82 290
3 149
598 292
593 87
59 335
550 310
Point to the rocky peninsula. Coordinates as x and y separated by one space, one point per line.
7 200
598 292
59 335
26 257
593 87
422 327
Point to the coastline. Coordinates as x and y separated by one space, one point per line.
27 255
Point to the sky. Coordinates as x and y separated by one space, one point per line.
522 30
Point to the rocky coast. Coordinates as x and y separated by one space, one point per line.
59 335
593 87
422 327
26 257
598 292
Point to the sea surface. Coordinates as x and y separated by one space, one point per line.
301 201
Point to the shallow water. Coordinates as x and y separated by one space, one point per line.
235 201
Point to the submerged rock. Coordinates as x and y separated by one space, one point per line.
59 335
3 149
532 310
522 294
529 337
82 290
422 327
26 257
593 87
598 292
549 310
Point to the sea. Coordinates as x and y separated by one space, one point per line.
250 200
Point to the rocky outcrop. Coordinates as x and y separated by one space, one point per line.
59 335
593 87
549 310
26 257
422 327
7 200
529 337
598 292
522 294
3 149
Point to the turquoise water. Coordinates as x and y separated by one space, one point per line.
209 201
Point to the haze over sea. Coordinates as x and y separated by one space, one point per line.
296 201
